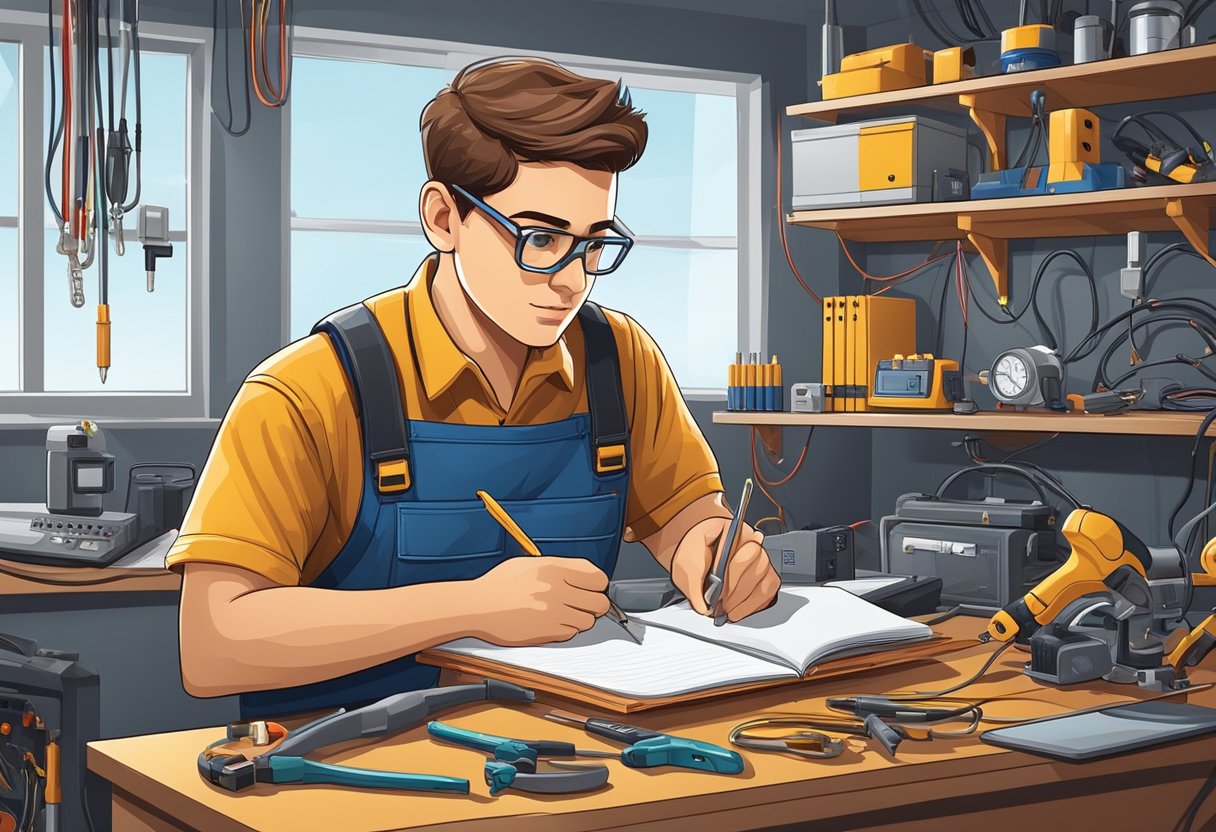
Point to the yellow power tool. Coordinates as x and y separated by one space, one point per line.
1104 554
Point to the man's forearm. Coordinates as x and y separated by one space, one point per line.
662 544
260 640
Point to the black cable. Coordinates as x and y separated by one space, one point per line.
228 128
109 63
1016 469
1187 821
1091 342
971 24
1196 9
941 313
1173 248
1177 358
1034 295
966 288
979 6
54 132
920 11
1190 486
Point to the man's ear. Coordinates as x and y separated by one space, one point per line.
440 219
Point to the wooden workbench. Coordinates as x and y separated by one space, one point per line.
944 785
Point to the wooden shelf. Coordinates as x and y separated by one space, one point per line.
990 223
1138 423
1168 74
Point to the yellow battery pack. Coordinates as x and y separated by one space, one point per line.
897 67
954 64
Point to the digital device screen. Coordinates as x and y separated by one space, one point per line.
90 476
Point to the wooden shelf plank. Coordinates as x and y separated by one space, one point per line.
1175 72
1023 217
1138 423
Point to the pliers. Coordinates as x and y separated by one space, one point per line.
266 752
515 763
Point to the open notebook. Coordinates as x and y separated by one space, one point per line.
682 651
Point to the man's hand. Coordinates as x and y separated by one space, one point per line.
750 584
528 600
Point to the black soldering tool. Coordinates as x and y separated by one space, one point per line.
863 706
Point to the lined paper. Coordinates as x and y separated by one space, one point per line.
805 625
664 664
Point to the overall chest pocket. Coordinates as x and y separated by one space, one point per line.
458 539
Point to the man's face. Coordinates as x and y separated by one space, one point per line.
533 308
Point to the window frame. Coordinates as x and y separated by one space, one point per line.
749 91
28 30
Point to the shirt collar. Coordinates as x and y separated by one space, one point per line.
441 362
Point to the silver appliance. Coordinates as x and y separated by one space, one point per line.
1155 25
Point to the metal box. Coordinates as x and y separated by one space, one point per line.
872 162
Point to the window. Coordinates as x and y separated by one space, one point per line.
693 280
47 346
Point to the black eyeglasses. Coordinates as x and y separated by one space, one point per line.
547 250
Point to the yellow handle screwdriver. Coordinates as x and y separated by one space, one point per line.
103 339
507 522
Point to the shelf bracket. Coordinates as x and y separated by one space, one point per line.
1193 219
995 254
992 125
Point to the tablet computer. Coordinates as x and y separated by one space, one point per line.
1115 730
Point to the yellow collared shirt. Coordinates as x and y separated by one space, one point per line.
281 488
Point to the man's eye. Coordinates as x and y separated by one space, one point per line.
540 240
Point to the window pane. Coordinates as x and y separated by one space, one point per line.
687 300
10 303
8 129
355 147
148 333
686 184
330 270
165 94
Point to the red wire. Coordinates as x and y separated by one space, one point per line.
790 476
899 276
785 244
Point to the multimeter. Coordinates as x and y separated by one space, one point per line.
919 382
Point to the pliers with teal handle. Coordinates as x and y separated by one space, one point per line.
515 763
235 763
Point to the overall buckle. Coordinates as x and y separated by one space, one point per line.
609 458
392 472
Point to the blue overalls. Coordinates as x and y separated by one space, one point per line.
419 520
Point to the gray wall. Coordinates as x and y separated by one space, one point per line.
246 222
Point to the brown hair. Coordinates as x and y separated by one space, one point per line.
494 115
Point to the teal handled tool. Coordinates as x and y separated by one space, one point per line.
516 763
715 580
266 752
648 749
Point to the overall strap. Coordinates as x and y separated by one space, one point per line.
368 361
605 399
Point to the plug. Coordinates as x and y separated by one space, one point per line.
1131 278
151 252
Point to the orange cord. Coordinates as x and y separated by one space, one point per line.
785 244
277 97
797 465
932 259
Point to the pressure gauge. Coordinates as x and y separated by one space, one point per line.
1026 377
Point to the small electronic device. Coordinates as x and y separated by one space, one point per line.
1102 733
916 382
872 162
73 530
812 555
78 469
897 67
858 330
1027 377
951 185
956 63
807 397
153 233
981 549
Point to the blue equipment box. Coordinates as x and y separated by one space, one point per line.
1032 181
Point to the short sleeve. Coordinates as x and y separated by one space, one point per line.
261 501
671 463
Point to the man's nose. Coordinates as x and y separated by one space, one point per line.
572 279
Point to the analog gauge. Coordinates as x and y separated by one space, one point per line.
1010 376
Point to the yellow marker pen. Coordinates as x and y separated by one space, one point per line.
749 383
778 387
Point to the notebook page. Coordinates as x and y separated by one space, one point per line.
805 624
666 663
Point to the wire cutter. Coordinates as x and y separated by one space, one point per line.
648 749
515 763
266 752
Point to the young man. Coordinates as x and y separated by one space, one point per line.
350 460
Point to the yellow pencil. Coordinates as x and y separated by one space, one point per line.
507 522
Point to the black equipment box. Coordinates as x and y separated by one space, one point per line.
985 551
